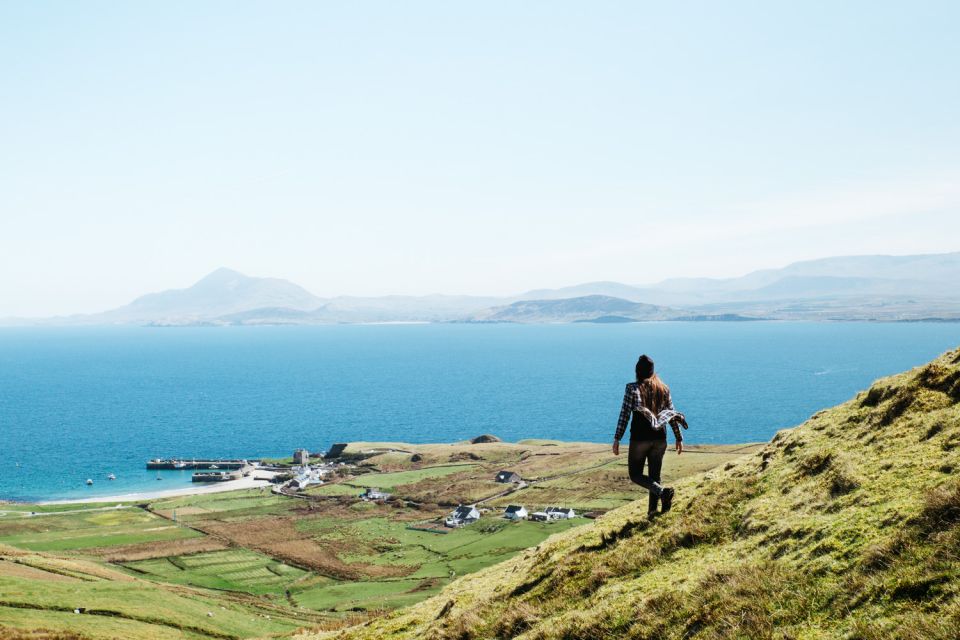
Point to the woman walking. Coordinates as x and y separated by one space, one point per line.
649 408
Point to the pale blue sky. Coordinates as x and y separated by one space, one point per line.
487 148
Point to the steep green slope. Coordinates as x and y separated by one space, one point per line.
847 526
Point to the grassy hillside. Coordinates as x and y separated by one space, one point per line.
845 527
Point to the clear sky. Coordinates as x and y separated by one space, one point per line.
485 148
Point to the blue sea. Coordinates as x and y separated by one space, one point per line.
85 402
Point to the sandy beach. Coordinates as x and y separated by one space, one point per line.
195 489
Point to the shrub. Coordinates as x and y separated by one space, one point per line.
941 509
521 617
815 463
842 479
937 377
896 407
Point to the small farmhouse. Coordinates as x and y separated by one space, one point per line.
462 515
373 493
507 477
539 516
560 513
515 512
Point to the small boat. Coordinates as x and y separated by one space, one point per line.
89 481
111 477
213 466
159 477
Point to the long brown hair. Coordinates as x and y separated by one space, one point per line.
654 392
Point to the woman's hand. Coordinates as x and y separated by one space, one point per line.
679 447
616 447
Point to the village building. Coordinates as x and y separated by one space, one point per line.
539 516
508 477
301 457
560 513
462 515
305 476
374 493
515 512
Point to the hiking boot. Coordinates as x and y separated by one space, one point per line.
666 499
652 515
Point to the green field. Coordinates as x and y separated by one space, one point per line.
232 569
387 481
233 501
335 489
81 528
434 559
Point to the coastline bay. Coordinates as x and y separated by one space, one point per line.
79 403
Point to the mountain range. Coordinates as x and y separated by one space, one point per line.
886 288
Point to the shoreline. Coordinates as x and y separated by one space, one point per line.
251 483
139 496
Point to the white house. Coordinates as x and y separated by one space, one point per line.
539 516
462 515
515 512
304 477
560 513
373 493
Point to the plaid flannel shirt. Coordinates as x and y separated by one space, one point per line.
633 401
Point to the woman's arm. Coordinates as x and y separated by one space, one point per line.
675 424
626 408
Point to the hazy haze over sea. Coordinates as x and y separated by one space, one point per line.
85 402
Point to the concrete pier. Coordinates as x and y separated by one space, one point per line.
174 464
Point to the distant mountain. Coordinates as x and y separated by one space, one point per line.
584 308
920 278
221 293
889 288
350 309
430 308
929 274
604 288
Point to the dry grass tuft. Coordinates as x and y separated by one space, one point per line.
941 509
842 479
815 463
520 618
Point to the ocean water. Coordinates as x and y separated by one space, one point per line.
82 403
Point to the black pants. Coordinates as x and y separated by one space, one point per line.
649 452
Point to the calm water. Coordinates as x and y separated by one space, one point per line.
79 403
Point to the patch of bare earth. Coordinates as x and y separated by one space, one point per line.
149 550
278 537
182 511
17 570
